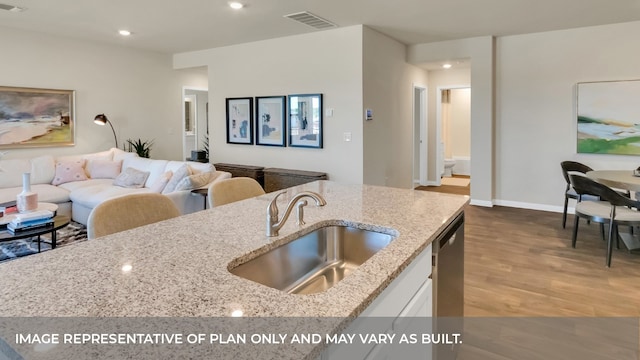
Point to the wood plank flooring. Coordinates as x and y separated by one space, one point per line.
520 262
449 189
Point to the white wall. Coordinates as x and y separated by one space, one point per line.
327 62
536 121
388 90
137 90
459 139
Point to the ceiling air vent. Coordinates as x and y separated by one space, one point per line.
11 8
309 19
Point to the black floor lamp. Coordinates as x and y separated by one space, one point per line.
101 119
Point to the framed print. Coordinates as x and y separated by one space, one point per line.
607 117
32 117
270 120
305 120
240 120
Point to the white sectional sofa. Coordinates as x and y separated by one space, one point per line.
78 198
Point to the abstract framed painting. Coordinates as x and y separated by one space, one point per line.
305 120
31 117
608 117
240 120
270 120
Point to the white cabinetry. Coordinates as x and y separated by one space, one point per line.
408 299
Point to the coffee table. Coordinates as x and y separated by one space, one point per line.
59 222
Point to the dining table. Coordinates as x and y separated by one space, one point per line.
625 180
619 179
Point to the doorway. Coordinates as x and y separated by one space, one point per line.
453 134
195 120
419 135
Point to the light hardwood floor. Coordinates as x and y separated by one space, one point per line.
450 189
520 263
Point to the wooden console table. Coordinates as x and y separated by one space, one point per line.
277 179
254 172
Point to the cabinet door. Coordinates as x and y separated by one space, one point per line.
419 307
399 293
409 296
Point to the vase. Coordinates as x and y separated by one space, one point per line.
27 200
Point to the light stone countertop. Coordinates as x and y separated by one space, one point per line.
180 266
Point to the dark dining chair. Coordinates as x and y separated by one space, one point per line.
575 167
613 209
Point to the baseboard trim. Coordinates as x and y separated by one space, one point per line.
483 203
532 206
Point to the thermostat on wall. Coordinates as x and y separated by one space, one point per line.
368 114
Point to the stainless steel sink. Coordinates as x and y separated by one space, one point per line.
316 261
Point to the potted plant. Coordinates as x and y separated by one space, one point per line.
142 148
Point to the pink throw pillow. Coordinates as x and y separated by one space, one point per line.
104 169
68 171
162 181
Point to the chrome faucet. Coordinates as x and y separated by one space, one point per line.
274 225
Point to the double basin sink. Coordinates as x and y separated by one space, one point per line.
315 261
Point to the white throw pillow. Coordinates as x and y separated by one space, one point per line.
43 169
182 172
103 169
194 181
131 178
162 182
68 171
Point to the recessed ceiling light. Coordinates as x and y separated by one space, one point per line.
236 5
124 32
446 66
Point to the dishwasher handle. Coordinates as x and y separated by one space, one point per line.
447 241
449 235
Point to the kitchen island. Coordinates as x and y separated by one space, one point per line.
180 267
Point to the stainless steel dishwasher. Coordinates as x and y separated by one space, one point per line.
448 285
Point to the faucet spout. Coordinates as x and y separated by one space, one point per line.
274 224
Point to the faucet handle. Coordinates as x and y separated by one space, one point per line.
272 209
300 211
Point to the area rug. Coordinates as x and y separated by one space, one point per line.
455 181
70 234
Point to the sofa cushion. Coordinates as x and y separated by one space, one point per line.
103 169
91 196
155 167
161 183
43 169
46 193
179 174
131 178
67 171
194 181
119 155
75 185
